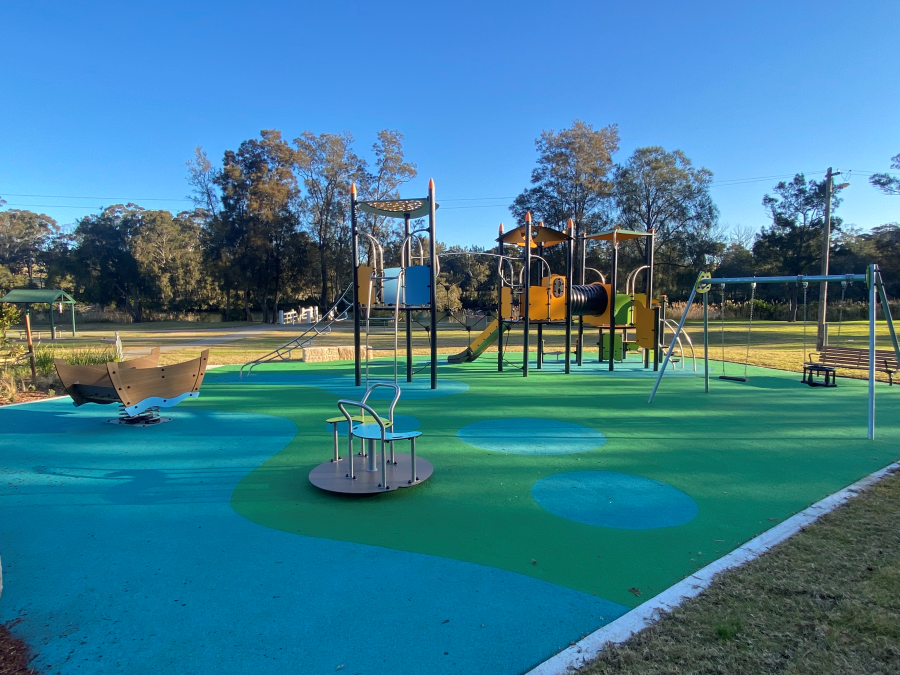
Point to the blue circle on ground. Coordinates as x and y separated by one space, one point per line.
401 423
619 500
531 436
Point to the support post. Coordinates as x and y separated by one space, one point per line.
662 371
500 300
406 261
582 243
72 305
570 244
706 341
540 327
527 295
871 275
657 330
648 285
887 314
432 257
612 309
354 238
52 324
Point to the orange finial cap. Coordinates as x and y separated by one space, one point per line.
501 228
528 216
431 183
353 189
571 224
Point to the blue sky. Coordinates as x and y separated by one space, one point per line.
107 101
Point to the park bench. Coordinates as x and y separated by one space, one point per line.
831 358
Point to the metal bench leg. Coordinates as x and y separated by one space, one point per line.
337 457
393 461
383 483
350 456
412 450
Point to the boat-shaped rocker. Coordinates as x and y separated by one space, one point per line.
137 385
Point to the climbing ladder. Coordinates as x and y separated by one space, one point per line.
338 312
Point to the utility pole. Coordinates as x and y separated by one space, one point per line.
821 334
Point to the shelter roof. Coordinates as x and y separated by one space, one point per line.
37 295
539 235
397 208
617 234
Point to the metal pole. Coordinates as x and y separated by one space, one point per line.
821 336
527 295
706 340
648 286
432 234
354 237
72 305
582 242
540 326
570 244
612 310
662 370
871 352
500 300
407 261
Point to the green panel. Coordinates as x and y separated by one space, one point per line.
623 309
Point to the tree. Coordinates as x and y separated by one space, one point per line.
23 236
888 184
325 167
572 176
792 244
662 191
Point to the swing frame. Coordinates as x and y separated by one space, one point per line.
872 279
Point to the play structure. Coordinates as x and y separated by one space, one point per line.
361 473
540 297
829 358
140 386
408 288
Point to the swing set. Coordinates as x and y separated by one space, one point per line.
829 357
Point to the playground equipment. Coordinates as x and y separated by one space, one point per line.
140 386
322 326
870 362
556 299
361 473
408 288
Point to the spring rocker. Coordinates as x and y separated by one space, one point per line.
362 474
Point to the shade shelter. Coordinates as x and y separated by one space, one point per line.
39 296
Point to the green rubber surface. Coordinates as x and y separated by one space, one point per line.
750 455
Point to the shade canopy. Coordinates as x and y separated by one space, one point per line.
397 208
545 236
30 296
617 234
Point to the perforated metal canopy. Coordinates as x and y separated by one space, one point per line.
540 234
617 234
397 208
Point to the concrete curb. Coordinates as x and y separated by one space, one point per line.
573 658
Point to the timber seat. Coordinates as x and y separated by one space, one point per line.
830 358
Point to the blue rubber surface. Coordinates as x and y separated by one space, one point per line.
121 554
531 436
610 499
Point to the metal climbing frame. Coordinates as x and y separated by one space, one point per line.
873 280
338 312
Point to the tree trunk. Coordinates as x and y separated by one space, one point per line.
324 269
792 315
247 315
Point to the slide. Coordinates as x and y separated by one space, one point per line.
473 351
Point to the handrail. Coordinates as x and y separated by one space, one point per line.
363 406
304 338
668 323
632 279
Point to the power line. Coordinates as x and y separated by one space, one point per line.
126 199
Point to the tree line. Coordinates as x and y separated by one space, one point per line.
270 228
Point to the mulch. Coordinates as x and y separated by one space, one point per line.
13 655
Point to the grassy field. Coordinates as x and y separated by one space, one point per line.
826 601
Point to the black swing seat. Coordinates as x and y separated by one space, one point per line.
830 358
732 379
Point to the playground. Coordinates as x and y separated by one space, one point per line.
549 490
557 504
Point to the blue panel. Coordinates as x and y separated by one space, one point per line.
418 285
391 285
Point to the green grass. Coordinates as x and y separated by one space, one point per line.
826 601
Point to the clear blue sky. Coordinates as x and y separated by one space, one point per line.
107 101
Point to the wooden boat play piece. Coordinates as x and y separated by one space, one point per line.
137 384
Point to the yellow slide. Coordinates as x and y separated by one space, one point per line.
473 351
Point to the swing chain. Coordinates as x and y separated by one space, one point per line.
841 314
805 289
722 317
